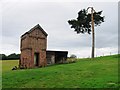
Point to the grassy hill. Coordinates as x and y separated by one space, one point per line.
102 72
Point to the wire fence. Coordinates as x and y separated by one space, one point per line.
105 54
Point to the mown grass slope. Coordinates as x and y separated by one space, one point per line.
102 72
0 74
7 65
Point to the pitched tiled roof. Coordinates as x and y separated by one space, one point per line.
35 27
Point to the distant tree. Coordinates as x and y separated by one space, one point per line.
73 56
3 57
13 56
17 56
85 22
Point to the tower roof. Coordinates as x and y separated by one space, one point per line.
36 27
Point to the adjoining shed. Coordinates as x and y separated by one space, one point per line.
56 56
34 50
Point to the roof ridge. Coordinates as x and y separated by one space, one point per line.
35 27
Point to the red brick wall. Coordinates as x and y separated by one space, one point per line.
33 42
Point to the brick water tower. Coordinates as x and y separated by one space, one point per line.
33 48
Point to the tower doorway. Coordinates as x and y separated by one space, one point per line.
36 59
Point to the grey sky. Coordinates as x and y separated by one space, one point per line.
19 17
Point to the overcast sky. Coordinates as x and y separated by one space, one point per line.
19 17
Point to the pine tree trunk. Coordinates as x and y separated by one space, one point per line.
93 44
93 36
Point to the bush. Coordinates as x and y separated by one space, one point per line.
73 56
71 60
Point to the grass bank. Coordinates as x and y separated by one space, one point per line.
102 72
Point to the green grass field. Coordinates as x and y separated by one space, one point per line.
0 74
102 72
